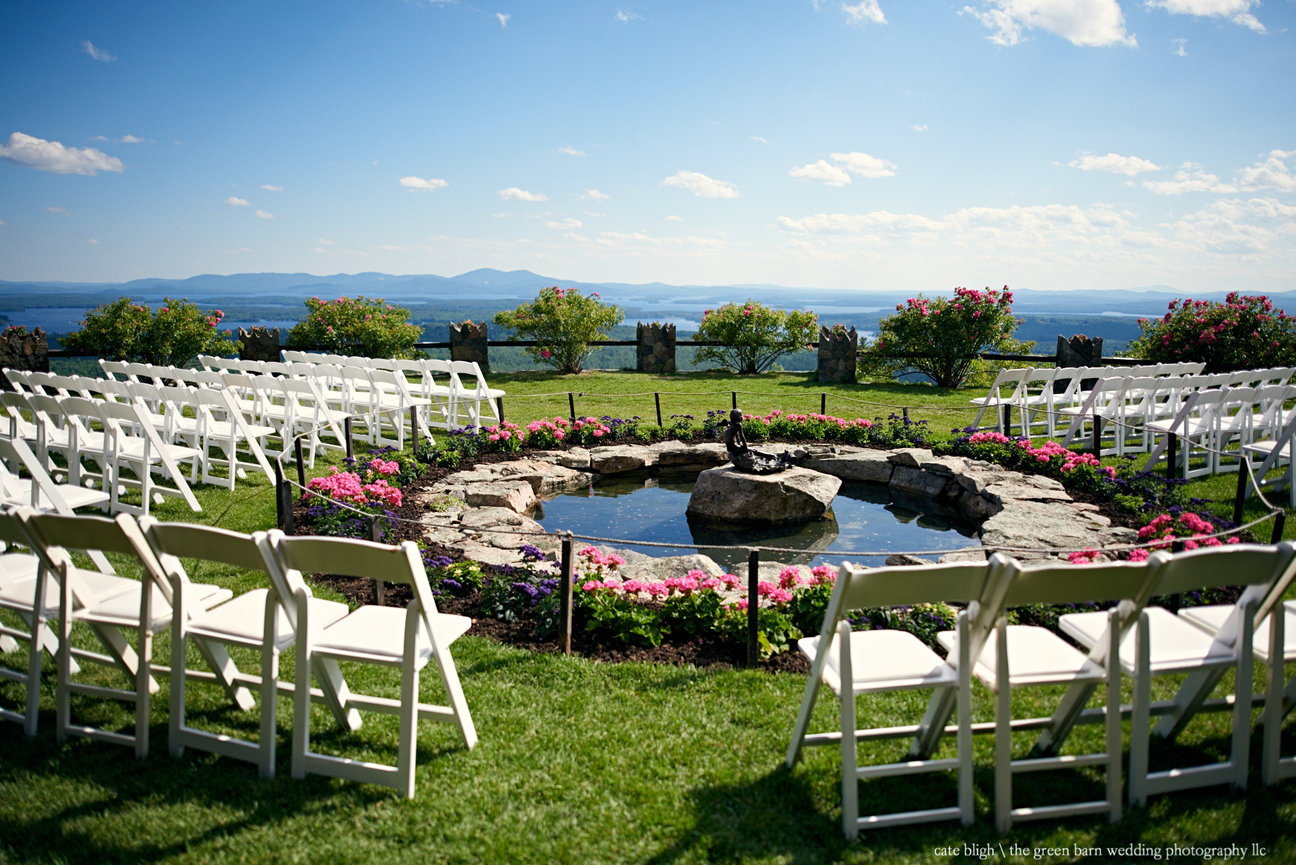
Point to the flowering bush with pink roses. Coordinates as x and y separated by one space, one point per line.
1243 332
563 322
752 336
942 337
364 326
175 333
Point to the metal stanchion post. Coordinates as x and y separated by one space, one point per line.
565 599
753 609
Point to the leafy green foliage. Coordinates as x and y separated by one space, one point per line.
368 327
942 337
173 334
1243 332
563 322
752 336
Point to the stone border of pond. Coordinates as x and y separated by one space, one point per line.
484 511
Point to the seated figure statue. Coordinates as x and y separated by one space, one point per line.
752 461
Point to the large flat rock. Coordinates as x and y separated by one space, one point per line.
725 493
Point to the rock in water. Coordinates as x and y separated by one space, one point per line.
726 493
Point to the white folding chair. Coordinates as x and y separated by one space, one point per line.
474 399
114 369
308 414
37 489
1195 424
406 639
1102 405
1004 395
1017 656
1274 452
444 411
1163 643
258 619
854 663
132 443
221 425
392 400
141 607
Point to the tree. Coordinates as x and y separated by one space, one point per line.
172 335
1243 332
752 336
563 322
942 337
367 327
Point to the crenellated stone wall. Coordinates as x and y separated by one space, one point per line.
838 355
655 351
468 342
20 349
259 344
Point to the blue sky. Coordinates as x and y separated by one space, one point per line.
1048 144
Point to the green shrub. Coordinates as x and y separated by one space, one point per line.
563 322
752 336
173 334
942 337
1243 332
368 327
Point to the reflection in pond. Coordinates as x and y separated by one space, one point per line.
863 517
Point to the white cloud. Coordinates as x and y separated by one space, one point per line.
865 165
1273 173
61 211
1080 22
1189 178
269 187
42 155
1181 47
572 151
503 18
759 139
625 16
131 139
864 12
701 185
1115 163
264 214
670 218
429 184
522 194
235 201
92 241
594 195
1237 11
568 224
918 127
1237 227
97 53
822 172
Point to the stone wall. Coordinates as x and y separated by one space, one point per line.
259 344
838 355
20 349
655 351
1079 350
468 342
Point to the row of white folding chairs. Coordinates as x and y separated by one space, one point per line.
1042 395
123 447
282 615
198 413
1132 638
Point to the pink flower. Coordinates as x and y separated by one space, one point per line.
544 353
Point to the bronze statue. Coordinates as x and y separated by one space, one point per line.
746 459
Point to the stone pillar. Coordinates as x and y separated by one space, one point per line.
20 349
468 342
1079 350
838 355
259 343
655 349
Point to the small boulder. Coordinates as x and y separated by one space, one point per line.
727 494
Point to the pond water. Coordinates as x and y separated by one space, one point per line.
863 517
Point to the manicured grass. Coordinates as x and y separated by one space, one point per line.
577 761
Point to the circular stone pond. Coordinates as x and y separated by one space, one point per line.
487 511
862 517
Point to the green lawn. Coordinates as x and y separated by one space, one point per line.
577 761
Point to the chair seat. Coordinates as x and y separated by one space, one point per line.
243 619
18 567
73 496
1211 618
124 609
1036 656
884 660
1174 644
377 634
100 586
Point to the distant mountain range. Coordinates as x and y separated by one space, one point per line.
507 288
